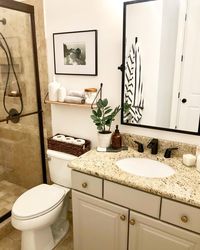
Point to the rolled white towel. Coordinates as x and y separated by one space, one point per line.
74 99
76 93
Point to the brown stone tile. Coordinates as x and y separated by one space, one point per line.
15 235
9 244
9 193
5 228
3 211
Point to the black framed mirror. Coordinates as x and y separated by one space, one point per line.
160 65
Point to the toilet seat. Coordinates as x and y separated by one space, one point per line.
38 201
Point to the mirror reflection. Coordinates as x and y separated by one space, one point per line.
161 59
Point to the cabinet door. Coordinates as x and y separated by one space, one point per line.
98 225
149 234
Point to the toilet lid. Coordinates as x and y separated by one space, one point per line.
37 201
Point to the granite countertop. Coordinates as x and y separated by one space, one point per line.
183 186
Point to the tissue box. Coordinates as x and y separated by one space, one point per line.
68 148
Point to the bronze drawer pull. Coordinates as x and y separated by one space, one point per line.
184 219
84 185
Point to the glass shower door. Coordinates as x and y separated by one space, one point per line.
22 160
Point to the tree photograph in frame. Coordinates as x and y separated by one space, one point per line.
75 53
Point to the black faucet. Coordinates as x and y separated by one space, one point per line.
140 146
153 144
168 152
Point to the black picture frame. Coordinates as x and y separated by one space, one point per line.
75 53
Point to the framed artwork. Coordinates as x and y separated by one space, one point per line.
75 53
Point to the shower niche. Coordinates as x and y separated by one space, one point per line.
22 154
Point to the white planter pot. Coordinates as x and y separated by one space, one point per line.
104 140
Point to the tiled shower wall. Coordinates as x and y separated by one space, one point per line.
20 161
20 156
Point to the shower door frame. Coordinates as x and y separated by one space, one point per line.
26 8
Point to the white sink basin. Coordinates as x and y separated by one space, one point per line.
145 167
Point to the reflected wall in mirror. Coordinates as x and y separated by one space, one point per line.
161 64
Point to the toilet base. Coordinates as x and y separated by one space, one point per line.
43 239
58 238
40 239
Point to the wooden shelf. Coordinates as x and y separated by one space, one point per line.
71 104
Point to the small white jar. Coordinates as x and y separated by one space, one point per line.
189 160
90 94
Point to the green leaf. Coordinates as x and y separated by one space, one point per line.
93 117
115 111
100 104
108 107
94 112
100 127
99 112
105 102
108 111
108 122
126 107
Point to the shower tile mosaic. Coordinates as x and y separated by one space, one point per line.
9 192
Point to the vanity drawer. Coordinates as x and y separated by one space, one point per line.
87 183
134 199
181 215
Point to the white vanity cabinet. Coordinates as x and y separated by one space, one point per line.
108 222
146 233
98 225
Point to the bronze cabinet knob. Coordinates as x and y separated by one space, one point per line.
184 219
84 185
123 217
132 222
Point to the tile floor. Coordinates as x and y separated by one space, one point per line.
11 239
9 192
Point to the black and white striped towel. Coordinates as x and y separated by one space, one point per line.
133 91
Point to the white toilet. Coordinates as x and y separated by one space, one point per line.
40 213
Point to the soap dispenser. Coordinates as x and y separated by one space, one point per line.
116 140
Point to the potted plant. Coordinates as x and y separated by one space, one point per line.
103 117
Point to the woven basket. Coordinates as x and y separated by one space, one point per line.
68 148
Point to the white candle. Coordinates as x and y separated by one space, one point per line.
189 160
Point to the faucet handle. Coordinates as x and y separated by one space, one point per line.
168 152
152 141
153 144
140 146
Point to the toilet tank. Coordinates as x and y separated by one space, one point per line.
59 171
